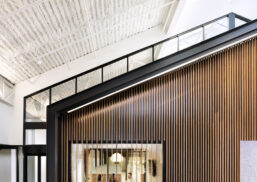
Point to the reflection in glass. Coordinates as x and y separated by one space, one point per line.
191 38
116 162
20 163
37 136
139 59
32 169
63 90
115 69
89 80
167 48
36 107
216 28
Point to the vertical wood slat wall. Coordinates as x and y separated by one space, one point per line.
202 112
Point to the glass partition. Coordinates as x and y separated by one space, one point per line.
115 69
216 28
36 104
36 107
35 136
166 48
190 38
139 59
63 90
36 168
89 80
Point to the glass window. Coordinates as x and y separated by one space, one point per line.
43 168
117 162
166 48
63 90
115 69
32 169
139 59
89 80
36 137
191 38
216 28
239 22
36 107
20 163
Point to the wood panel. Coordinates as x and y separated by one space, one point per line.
202 112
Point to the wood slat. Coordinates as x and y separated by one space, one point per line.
200 112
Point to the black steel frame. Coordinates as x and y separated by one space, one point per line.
42 125
38 125
231 17
55 110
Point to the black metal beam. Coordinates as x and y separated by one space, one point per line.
232 21
133 77
34 150
34 125
4 146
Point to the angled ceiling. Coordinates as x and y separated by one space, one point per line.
39 35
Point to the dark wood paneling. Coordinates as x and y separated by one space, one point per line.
202 112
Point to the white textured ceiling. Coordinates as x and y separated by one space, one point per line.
39 35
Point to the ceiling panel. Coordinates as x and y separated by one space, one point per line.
39 35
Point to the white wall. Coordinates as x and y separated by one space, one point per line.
6 113
5 165
248 161
196 12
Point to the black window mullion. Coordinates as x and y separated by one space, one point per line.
39 169
34 125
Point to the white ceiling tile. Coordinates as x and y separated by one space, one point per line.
37 36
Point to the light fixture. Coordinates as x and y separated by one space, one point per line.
116 158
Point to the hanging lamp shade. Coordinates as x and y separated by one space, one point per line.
116 158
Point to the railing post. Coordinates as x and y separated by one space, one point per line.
231 21
153 53
177 43
127 64
50 95
203 33
102 75
76 85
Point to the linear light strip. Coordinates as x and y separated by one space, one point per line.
164 72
